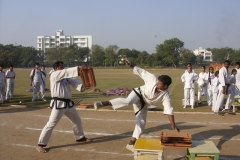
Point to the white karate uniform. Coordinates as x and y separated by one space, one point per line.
10 83
38 83
60 87
202 86
189 79
214 90
149 96
209 87
2 86
238 82
224 78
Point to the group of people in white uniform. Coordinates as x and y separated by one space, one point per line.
213 85
7 79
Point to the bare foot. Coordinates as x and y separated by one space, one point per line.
41 149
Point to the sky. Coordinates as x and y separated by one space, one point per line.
133 24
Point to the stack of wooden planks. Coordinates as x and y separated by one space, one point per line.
176 139
87 76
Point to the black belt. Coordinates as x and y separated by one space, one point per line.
67 102
141 99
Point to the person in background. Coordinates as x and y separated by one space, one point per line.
238 79
10 76
210 77
202 84
224 79
2 84
189 78
214 88
232 88
36 78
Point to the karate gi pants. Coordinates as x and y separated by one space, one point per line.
55 117
2 92
220 99
200 90
214 99
10 89
210 96
140 117
38 86
188 91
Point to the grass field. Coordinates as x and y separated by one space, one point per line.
107 79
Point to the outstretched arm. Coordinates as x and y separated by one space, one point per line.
172 121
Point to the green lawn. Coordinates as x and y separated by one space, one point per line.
107 79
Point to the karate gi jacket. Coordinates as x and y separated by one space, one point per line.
189 79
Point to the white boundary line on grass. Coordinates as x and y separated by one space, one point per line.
126 135
148 121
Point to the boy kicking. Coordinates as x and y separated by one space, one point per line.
154 91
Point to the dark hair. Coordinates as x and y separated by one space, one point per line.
1 65
203 66
165 79
233 70
210 68
10 65
57 64
216 73
190 64
227 61
37 64
237 63
43 65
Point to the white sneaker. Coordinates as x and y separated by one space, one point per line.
44 99
130 148
97 105
184 106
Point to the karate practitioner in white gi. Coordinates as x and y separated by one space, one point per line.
2 84
210 77
214 87
36 77
238 79
202 84
189 78
224 79
10 76
61 104
154 91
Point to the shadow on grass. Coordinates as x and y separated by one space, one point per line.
227 134
124 135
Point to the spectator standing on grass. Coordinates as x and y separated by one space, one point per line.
224 79
238 79
232 88
210 77
36 78
10 76
189 78
61 104
2 84
202 84
154 91
214 89
44 74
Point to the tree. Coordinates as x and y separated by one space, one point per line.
187 56
98 55
111 55
169 52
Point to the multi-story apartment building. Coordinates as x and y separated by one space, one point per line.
59 39
207 55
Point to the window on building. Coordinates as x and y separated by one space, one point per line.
82 39
39 45
61 40
57 36
39 40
